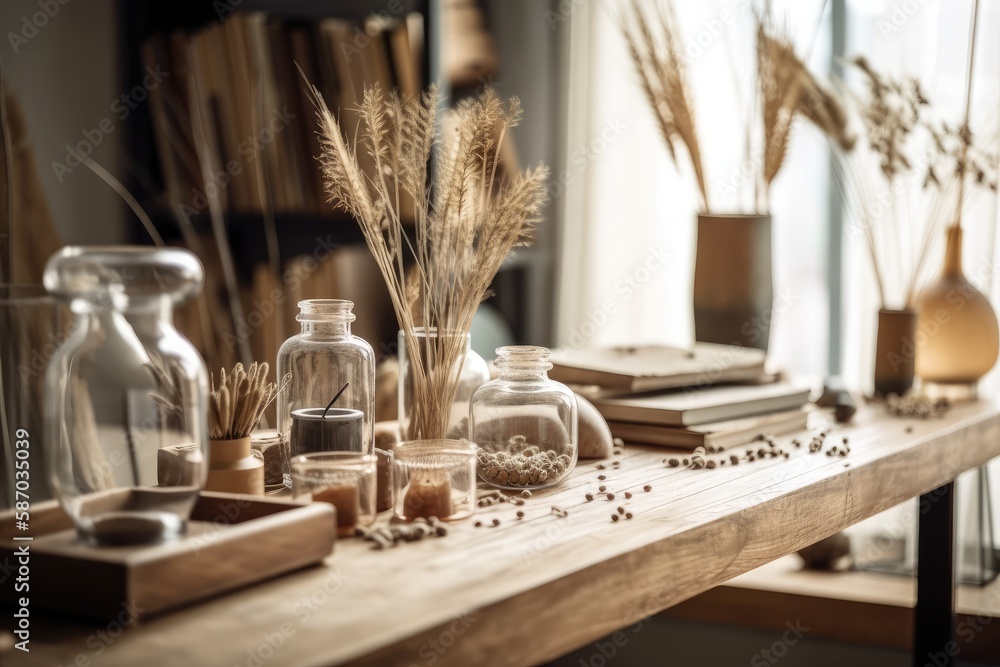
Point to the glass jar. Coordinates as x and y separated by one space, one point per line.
434 478
127 393
524 423
473 373
323 358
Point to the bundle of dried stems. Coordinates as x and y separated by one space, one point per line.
466 221
895 117
239 401
784 85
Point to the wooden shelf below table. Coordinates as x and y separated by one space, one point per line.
530 590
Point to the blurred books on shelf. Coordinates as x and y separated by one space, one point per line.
243 77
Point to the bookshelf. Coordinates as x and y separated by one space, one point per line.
300 230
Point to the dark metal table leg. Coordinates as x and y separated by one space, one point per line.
934 617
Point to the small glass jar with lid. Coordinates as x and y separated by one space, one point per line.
524 423
323 359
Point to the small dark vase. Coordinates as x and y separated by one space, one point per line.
733 287
895 351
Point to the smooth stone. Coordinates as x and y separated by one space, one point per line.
594 434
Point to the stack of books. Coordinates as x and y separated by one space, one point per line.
710 395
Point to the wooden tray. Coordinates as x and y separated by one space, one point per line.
232 541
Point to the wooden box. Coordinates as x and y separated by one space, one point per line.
231 541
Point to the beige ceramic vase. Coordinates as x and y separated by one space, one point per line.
957 335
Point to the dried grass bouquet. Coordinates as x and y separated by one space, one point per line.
785 88
467 219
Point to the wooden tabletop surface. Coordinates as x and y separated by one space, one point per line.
532 589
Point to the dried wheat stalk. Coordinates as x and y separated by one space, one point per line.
465 224
655 49
238 402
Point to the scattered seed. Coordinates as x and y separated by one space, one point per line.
628 495
478 524
684 462
909 429
628 515
589 497
602 477
616 464
710 465
611 496
520 514
496 522
673 463
735 460
621 510
600 466
602 488
526 493
647 488
614 517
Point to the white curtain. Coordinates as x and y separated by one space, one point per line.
629 214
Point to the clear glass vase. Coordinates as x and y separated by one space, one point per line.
524 423
127 393
31 327
474 371
323 358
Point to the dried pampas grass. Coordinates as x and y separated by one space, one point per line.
785 88
465 223
654 45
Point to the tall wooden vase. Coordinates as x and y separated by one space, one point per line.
957 336
733 287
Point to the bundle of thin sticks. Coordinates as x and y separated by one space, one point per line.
239 401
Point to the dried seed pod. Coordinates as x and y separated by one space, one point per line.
478 524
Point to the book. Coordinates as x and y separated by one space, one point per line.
728 433
690 407
640 368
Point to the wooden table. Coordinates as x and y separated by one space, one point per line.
530 590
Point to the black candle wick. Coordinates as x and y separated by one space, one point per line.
334 400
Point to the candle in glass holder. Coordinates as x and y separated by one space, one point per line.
429 494
345 480
322 430
347 499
